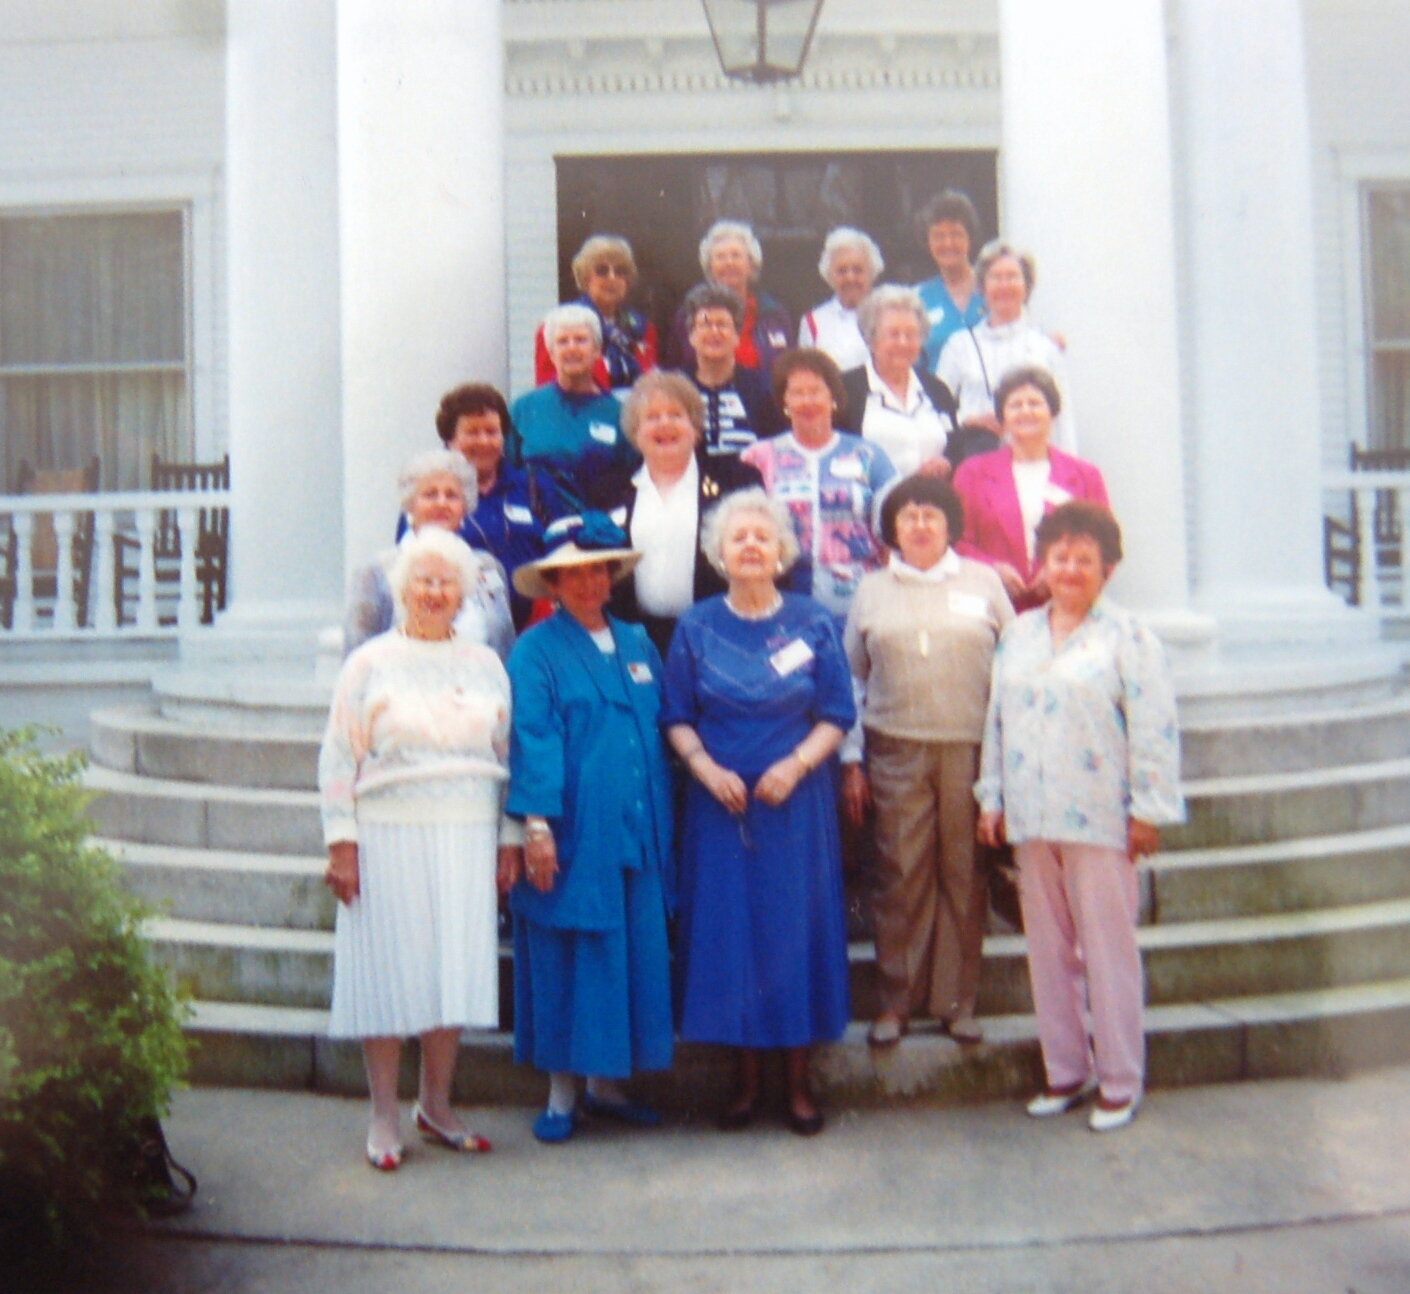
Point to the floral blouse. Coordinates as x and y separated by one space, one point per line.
1080 739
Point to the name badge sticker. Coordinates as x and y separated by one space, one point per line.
847 467
518 515
786 660
968 604
777 338
1056 496
639 670
604 432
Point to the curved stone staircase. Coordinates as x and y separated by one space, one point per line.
1276 927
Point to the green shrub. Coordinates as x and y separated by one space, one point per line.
90 1029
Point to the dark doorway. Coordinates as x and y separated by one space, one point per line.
662 204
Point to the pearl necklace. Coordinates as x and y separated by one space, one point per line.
763 614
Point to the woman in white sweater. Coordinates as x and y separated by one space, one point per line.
920 640
410 777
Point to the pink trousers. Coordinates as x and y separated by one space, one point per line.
1079 917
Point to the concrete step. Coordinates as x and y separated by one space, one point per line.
227 962
1264 807
1192 885
137 739
251 699
1328 1032
1283 876
1297 739
1185 962
158 811
220 885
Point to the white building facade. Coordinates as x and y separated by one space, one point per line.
363 203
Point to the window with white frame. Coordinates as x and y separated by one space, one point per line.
1386 210
95 350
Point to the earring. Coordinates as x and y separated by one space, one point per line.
778 567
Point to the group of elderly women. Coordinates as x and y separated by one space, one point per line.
731 625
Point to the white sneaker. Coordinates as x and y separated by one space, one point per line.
1046 1104
1103 1120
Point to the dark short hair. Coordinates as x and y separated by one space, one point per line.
808 360
465 400
1080 517
927 490
710 296
1034 375
948 204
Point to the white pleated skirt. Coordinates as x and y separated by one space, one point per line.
418 948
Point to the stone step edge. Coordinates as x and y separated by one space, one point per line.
1301 849
1207 788
132 853
1321 1031
114 782
147 721
1375 708
1206 932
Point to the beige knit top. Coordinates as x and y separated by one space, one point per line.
921 643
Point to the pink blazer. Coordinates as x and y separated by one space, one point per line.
993 524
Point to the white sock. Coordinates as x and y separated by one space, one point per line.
562 1093
607 1090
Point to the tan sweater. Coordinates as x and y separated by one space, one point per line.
923 648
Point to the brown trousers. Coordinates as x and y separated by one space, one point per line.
930 901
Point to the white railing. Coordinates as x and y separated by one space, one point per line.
127 521
1381 573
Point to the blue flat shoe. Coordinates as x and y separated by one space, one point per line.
628 1112
553 1128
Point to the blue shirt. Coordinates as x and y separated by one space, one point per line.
946 318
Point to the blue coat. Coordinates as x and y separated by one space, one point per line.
587 754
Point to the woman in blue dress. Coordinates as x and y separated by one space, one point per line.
588 774
757 700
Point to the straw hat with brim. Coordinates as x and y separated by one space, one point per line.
529 578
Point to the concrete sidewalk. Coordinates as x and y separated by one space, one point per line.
1299 1185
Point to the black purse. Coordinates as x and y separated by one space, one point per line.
163 1187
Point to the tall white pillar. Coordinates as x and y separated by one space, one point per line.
421 231
1086 185
282 254
1242 102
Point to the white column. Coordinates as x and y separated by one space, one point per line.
282 251
1086 185
1242 102
421 230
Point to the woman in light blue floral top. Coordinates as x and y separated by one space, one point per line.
1080 766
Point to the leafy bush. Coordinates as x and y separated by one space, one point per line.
90 1029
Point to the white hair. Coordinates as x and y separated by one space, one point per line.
845 238
437 462
890 296
432 541
753 500
572 315
725 230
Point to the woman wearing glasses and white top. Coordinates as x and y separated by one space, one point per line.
976 358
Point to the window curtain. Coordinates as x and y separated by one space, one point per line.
1389 221
93 344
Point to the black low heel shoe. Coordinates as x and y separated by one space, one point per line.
737 1117
804 1125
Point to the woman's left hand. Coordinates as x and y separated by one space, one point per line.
779 781
510 867
1142 838
541 862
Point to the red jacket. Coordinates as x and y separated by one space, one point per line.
993 523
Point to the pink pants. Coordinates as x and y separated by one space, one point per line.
1079 916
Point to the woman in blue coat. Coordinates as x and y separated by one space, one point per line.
588 775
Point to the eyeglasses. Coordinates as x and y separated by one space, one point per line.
434 583
605 271
714 325
912 516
